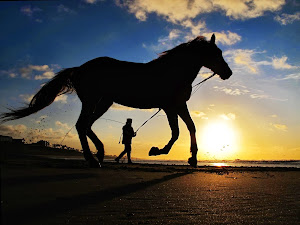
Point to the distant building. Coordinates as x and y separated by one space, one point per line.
18 141
6 139
64 147
60 146
56 145
42 143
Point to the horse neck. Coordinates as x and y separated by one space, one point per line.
194 67
186 67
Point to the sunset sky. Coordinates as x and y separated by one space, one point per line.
254 115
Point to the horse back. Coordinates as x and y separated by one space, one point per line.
127 81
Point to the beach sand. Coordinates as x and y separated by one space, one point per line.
39 190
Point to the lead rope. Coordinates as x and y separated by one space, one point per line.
204 80
147 120
66 135
120 138
142 124
199 84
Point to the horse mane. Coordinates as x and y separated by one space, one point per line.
182 47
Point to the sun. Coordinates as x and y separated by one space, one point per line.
218 140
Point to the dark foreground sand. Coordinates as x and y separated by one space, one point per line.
37 190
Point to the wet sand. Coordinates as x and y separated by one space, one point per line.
38 190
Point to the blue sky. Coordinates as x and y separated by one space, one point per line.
259 39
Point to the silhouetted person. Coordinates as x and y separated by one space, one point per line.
128 134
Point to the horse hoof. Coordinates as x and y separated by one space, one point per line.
154 151
94 164
193 162
100 157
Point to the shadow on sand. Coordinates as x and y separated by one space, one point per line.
62 205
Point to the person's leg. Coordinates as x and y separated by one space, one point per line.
128 150
121 154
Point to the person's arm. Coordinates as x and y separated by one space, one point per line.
133 134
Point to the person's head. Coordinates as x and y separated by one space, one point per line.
129 121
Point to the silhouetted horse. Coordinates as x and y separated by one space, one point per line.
165 83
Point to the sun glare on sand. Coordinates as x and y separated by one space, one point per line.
218 140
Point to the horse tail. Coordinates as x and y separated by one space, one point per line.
58 85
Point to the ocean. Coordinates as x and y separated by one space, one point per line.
238 163
219 163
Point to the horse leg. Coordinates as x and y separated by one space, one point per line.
99 145
184 114
101 108
173 122
82 126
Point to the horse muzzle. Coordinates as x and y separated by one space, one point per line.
225 75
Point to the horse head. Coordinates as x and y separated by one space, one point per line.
212 58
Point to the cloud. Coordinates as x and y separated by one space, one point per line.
64 9
176 11
34 135
12 75
204 74
62 99
174 34
172 10
265 96
29 11
26 97
259 96
177 36
293 76
188 31
63 125
196 28
224 38
38 20
232 91
165 42
229 116
183 12
254 94
50 134
280 127
280 63
199 28
92 1
46 75
15 131
125 108
47 72
121 107
244 58
247 9
41 119
199 114
38 72
285 19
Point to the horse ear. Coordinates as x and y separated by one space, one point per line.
213 39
